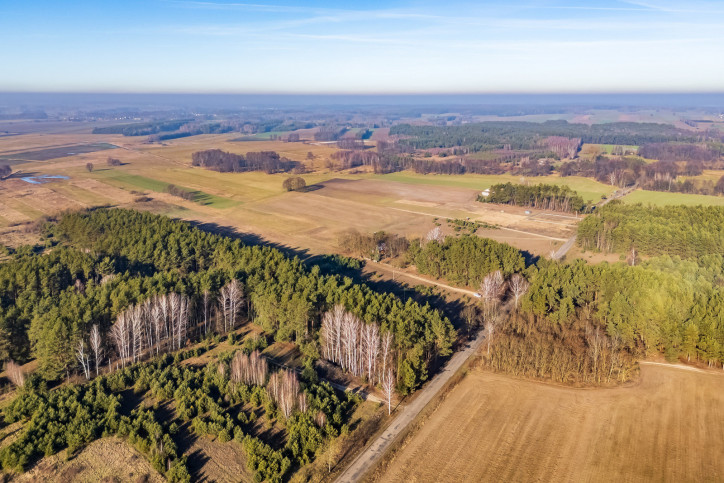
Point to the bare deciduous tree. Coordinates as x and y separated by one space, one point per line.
230 299
388 389
206 300
519 286
491 324
251 370
121 332
370 348
83 357
96 346
357 347
491 289
470 317
435 234
283 388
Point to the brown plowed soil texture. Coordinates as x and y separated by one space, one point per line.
667 427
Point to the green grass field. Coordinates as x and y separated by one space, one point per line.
589 189
608 148
137 181
661 198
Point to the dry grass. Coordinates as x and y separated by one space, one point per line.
107 459
667 427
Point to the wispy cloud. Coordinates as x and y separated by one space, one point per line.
690 7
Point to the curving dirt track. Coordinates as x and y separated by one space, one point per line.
667 427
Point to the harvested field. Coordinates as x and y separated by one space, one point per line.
107 459
55 152
669 426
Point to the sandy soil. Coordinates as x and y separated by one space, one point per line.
667 427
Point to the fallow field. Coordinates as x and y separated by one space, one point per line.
669 426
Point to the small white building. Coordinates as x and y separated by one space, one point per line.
485 193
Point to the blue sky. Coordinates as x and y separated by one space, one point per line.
361 47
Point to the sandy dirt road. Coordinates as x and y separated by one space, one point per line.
370 456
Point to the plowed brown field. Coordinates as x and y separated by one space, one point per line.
667 427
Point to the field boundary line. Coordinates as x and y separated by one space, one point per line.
682 367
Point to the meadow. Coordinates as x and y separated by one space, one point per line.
589 189
663 198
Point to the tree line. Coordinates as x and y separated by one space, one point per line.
142 128
684 231
526 135
225 162
681 152
540 196
656 176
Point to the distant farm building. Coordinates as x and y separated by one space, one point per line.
485 193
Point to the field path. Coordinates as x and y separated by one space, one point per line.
402 274
377 449
682 367
561 252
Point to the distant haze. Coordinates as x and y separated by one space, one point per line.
229 101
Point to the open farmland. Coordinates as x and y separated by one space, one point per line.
404 203
589 189
55 152
667 427
663 198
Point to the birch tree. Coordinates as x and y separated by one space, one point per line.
96 346
388 389
435 234
519 286
83 357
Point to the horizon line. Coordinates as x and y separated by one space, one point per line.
366 93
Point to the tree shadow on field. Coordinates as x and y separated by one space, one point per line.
251 239
185 438
21 174
130 401
310 188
